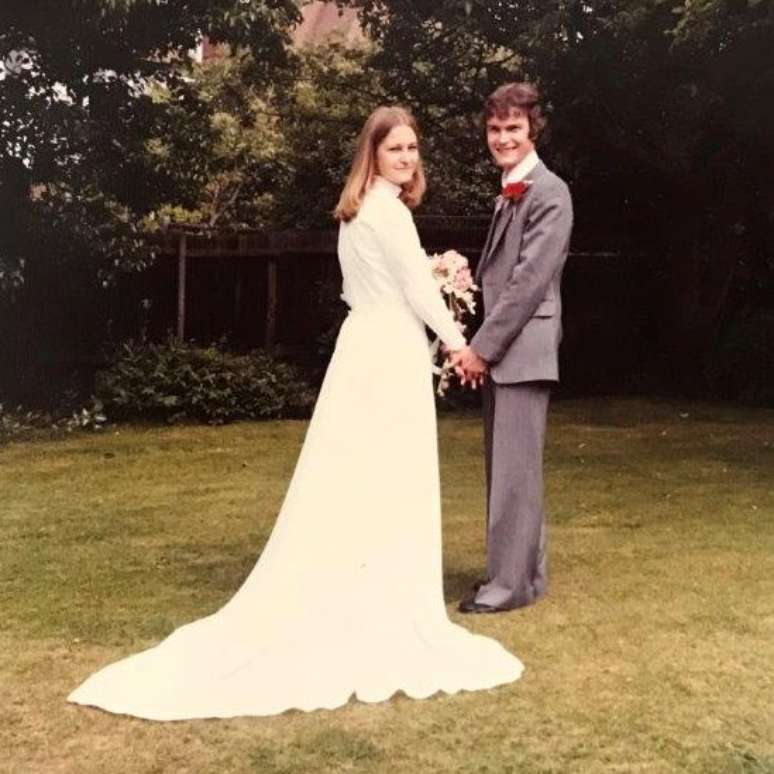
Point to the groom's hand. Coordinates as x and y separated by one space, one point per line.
469 366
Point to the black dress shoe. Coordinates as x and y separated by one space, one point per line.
471 606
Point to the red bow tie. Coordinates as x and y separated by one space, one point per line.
514 191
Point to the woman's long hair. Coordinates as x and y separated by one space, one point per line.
364 167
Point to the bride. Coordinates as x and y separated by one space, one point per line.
347 596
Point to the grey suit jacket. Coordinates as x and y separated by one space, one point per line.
520 272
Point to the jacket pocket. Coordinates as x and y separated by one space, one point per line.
546 308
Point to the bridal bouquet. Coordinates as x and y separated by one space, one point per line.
452 273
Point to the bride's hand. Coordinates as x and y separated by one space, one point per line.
469 366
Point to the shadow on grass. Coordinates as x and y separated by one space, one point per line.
621 413
336 749
738 761
457 584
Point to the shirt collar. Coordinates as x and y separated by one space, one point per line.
382 183
522 169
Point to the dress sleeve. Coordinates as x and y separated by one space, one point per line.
408 263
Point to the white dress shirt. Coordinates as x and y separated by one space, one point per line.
517 173
522 169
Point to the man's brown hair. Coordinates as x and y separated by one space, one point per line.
519 96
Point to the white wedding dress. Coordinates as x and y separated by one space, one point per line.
347 596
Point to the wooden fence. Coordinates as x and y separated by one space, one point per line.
272 249
280 289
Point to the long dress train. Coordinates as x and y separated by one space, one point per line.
347 596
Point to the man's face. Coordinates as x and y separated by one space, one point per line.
508 138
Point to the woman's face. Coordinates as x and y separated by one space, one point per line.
398 155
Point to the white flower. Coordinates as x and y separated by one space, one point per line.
455 283
17 61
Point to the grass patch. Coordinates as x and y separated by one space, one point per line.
652 653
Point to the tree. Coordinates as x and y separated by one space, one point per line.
79 113
243 162
280 150
660 121
80 165
442 59
320 118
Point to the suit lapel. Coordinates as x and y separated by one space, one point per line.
485 250
500 222
502 219
498 215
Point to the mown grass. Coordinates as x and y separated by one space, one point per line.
654 651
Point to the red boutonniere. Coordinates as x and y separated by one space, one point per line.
514 191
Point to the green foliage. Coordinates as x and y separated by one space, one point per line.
19 422
80 120
321 117
280 151
102 126
174 381
660 118
15 421
442 59
722 22
244 162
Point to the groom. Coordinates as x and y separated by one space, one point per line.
517 345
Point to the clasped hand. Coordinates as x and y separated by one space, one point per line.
469 366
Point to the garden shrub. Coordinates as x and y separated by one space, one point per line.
173 381
19 422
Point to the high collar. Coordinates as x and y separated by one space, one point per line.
522 169
383 184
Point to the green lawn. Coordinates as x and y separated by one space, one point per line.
654 651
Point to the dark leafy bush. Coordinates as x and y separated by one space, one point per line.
741 365
19 422
173 381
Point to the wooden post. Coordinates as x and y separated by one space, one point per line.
237 300
181 265
241 252
271 302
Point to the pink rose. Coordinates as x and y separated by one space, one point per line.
463 280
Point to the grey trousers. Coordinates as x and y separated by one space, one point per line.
514 436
